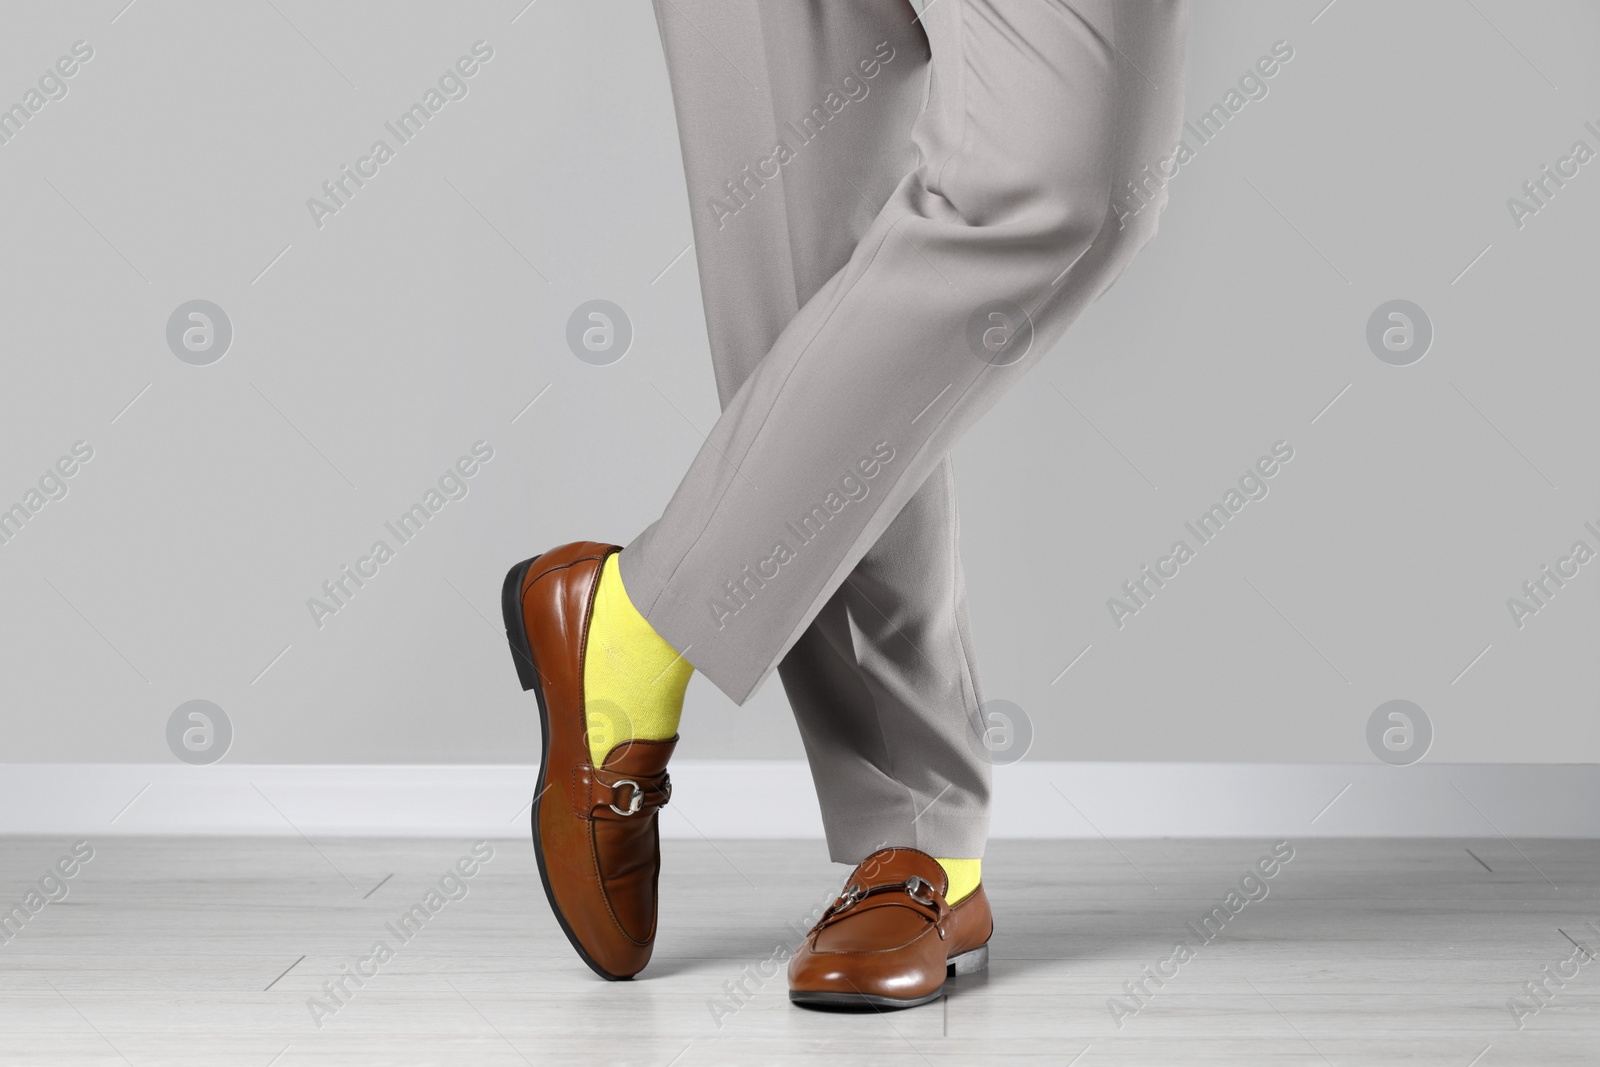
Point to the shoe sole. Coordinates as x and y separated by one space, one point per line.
967 963
528 675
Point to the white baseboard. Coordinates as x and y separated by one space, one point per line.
775 799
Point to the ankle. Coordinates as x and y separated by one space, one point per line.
634 680
963 875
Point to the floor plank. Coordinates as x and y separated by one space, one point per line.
207 951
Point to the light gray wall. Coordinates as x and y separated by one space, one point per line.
372 352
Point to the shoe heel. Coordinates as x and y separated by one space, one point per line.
968 962
516 632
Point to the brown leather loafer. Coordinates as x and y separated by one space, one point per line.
890 940
594 828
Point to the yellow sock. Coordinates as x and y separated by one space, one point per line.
633 681
964 876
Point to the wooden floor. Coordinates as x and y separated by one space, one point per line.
207 951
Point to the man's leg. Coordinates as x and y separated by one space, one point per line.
888 657
1016 215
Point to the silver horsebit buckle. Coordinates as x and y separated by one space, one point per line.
914 883
635 799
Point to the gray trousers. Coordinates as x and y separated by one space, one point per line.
895 215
